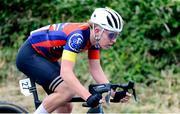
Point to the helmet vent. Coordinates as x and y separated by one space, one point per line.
118 20
114 19
109 21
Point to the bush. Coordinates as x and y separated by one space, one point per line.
148 44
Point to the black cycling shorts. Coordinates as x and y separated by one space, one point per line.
38 68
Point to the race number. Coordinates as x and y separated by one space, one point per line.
25 84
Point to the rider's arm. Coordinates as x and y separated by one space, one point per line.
96 69
97 72
95 66
69 77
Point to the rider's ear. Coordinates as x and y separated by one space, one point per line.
96 29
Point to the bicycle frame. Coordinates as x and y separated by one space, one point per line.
33 90
94 88
37 102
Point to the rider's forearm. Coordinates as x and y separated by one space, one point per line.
97 72
99 76
74 84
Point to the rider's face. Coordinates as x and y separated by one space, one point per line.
108 38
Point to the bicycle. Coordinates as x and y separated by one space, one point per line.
28 87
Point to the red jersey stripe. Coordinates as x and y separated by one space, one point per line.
51 28
94 54
50 43
72 27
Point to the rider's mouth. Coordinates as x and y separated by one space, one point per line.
108 46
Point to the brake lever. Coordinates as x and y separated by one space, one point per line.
131 85
107 98
134 94
126 88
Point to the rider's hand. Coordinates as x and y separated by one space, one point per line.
121 96
94 100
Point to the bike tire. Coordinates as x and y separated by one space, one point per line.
11 108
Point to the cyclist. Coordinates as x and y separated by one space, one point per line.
38 58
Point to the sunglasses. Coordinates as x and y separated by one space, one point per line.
112 35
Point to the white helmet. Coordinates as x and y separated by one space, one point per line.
108 19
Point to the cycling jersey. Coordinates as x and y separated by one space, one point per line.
63 40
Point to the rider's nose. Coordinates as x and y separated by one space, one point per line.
113 40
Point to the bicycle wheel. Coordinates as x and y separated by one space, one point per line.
11 108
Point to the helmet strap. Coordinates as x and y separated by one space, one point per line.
97 38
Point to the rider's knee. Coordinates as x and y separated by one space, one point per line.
66 108
64 88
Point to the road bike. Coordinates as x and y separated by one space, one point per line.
28 87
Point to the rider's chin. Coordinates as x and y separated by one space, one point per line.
106 47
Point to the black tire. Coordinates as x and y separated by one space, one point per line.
11 108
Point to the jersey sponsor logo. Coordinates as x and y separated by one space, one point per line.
75 42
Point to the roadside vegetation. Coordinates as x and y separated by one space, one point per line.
147 51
